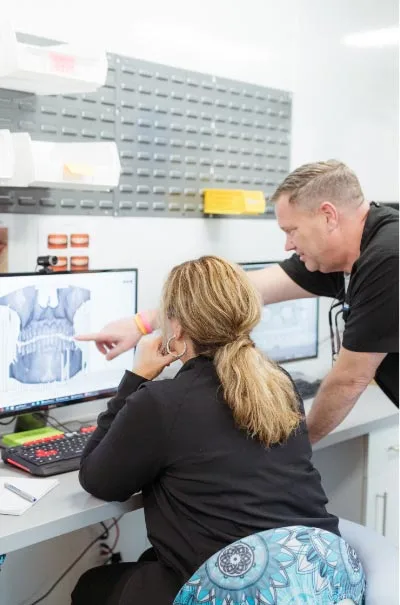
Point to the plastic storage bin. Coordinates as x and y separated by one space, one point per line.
48 70
64 165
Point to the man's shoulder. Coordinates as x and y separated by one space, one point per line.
382 237
384 246
379 261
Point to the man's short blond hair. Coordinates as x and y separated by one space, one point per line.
330 181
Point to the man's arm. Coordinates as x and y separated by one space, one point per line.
120 335
274 285
340 390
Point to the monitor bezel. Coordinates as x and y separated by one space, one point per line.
316 298
85 398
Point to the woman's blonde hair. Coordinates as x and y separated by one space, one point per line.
217 307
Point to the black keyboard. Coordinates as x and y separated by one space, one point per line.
307 390
51 455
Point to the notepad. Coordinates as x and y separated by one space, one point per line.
12 504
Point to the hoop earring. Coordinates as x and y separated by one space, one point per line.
171 352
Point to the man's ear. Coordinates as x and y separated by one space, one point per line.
330 214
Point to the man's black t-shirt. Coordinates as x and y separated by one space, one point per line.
372 324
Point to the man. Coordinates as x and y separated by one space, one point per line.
345 248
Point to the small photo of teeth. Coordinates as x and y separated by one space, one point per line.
79 263
62 264
79 240
73 246
3 249
57 241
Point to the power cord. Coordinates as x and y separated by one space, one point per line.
117 534
53 422
106 531
109 551
85 550
8 421
57 424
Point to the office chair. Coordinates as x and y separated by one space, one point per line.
281 566
379 559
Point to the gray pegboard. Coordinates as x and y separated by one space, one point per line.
178 132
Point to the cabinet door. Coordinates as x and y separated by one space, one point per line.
382 511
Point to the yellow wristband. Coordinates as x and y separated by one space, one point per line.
140 325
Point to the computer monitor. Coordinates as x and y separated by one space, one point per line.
288 331
41 364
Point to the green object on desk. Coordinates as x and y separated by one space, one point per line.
13 439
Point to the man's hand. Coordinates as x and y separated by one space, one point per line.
150 359
115 338
340 390
119 336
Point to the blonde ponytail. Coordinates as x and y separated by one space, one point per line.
260 395
217 307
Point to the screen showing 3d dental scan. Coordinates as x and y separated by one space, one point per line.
41 363
288 331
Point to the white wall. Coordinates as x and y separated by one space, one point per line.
345 105
345 99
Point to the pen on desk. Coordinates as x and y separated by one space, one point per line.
19 492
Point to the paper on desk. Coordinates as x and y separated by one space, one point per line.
12 504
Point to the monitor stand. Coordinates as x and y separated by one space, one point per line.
30 427
28 422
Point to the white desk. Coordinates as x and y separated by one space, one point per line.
68 507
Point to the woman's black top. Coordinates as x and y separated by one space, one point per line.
205 482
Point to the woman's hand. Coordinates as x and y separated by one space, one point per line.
149 359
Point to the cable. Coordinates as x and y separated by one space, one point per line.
42 416
85 550
64 426
106 531
65 572
7 421
117 534
105 550
57 424
109 550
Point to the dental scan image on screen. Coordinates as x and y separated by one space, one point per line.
40 315
288 330
45 348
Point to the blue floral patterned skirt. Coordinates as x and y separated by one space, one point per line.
290 565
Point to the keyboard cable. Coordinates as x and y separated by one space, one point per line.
78 558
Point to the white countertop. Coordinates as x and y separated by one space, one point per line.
68 507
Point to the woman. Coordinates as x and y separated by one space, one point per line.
220 452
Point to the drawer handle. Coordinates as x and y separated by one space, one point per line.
394 448
384 497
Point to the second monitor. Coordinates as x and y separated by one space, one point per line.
288 331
